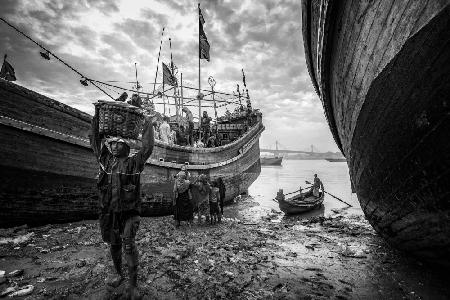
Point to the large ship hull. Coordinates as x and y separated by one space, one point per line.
49 170
381 69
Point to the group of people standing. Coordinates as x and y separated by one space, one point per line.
199 196
184 135
169 135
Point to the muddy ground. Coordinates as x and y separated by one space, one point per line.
269 257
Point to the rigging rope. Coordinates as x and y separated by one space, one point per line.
49 52
155 95
106 85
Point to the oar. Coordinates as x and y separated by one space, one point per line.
298 190
334 196
293 192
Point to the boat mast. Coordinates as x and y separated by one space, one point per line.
245 84
157 64
173 75
239 94
181 86
162 96
137 82
199 84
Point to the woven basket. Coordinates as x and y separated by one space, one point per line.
119 119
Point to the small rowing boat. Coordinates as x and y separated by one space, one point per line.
299 203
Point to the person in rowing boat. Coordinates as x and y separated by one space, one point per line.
119 197
317 185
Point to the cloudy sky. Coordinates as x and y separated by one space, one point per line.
104 39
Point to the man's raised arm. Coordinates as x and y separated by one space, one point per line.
94 136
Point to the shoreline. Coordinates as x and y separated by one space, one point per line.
339 257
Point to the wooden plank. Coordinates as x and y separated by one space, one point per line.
367 55
356 46
356 13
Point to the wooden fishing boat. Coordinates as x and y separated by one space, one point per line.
381 69
49 170
274 160
336 159
299 203
271 161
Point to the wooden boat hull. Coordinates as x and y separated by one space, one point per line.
49 170
381 69
290 208
271 161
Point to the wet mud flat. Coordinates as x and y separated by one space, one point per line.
264 257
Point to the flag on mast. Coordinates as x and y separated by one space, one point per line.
168 77
7 72
204 44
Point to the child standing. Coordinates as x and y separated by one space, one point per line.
214 200
203 193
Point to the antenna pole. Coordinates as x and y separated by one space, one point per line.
212 83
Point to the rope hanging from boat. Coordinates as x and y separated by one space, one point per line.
45 55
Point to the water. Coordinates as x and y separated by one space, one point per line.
293 173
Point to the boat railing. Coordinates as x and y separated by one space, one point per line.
252 130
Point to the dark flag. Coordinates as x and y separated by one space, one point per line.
201 19
168 77
204 44
7 71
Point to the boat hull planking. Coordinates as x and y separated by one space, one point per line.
382 71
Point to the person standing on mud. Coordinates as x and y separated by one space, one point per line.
204 191
222 191
119 198
214 199
182 200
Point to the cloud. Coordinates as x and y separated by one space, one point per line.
142 33
103 39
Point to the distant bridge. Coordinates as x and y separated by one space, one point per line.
313 151
274 151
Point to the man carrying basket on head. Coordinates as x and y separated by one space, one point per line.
119 197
